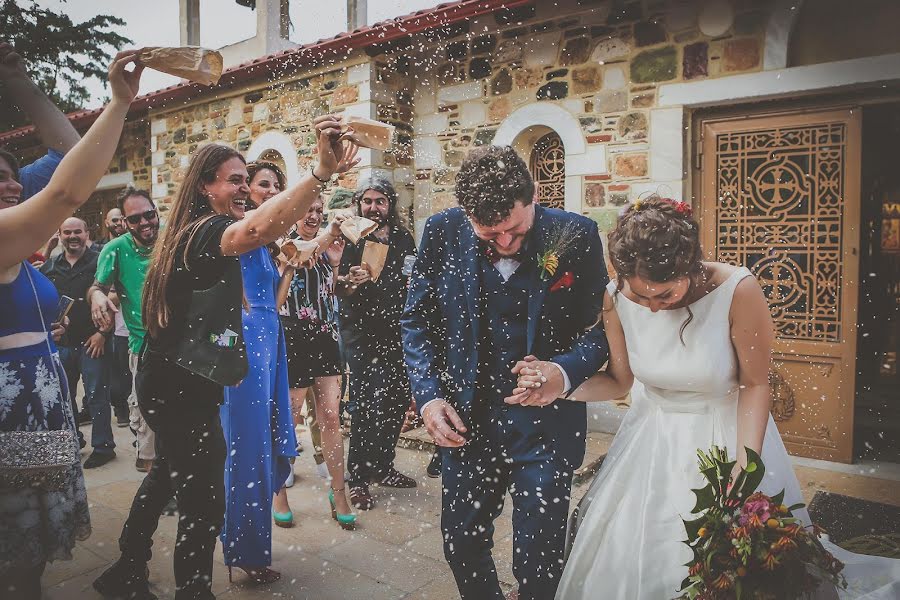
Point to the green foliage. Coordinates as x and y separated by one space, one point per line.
60 55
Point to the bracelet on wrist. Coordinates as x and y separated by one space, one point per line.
312 171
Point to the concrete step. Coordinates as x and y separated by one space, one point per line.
596 448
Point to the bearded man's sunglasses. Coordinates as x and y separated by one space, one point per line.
147 215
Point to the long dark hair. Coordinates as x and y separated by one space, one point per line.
10 158
382 186
657 240
188 210
261 165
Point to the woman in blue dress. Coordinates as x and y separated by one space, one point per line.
41 520
256 415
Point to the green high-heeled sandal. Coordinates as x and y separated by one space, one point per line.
347 522
285 519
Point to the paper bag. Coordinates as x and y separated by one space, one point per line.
375 254
189 62
296 252
368 133
356 228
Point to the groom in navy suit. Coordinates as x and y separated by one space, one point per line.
485 295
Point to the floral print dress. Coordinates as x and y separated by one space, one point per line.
36 526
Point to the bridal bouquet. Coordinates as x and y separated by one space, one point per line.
747 544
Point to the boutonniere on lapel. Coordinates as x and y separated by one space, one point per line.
556 243
564 282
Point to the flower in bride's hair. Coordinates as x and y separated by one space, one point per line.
637 205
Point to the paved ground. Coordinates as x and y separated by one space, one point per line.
395 553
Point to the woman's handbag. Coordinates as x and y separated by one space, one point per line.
212 345
38 459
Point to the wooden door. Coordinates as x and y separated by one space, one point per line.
780 195
93 212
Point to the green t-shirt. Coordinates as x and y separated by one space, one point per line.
123 264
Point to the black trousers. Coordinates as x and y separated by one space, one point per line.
380 392
183 410
119 376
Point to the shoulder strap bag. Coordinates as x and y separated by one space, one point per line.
212 345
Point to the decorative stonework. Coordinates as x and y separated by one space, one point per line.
631 165
742 54
654 65
783 405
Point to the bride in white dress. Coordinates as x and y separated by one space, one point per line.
692 341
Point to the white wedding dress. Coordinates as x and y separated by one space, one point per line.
629 542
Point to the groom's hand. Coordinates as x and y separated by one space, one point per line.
540 383
440 420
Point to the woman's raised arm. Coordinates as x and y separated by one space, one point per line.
25 227
273 219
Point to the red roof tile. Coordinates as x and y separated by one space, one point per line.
378 33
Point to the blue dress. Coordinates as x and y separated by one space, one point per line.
257 422
36 526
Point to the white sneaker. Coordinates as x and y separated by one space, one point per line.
289 482
322 471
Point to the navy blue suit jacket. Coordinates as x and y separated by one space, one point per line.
441 326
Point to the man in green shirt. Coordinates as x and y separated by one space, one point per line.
122 265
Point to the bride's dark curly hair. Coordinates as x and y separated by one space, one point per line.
657 240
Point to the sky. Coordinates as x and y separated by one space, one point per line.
222 22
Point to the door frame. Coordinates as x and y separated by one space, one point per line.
841 448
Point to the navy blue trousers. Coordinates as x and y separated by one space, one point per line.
476 479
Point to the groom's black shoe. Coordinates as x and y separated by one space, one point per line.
433 469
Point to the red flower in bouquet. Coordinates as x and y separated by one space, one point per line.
564 282
758 505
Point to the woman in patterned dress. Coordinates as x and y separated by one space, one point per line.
42 524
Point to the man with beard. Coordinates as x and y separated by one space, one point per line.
115 226
83 349
370 327
122 265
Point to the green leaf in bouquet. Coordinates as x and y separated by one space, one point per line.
724 475
755 470
706 498
778 498
749 478
794 507
711 474
693 527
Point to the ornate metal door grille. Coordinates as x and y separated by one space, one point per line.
780 213
548 169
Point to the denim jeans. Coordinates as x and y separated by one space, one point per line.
94 373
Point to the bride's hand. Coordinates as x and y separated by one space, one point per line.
540 383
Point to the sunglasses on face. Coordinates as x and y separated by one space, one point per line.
148 216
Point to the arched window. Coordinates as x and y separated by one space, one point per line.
274 157
548 169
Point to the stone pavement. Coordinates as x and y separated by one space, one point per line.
395 553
